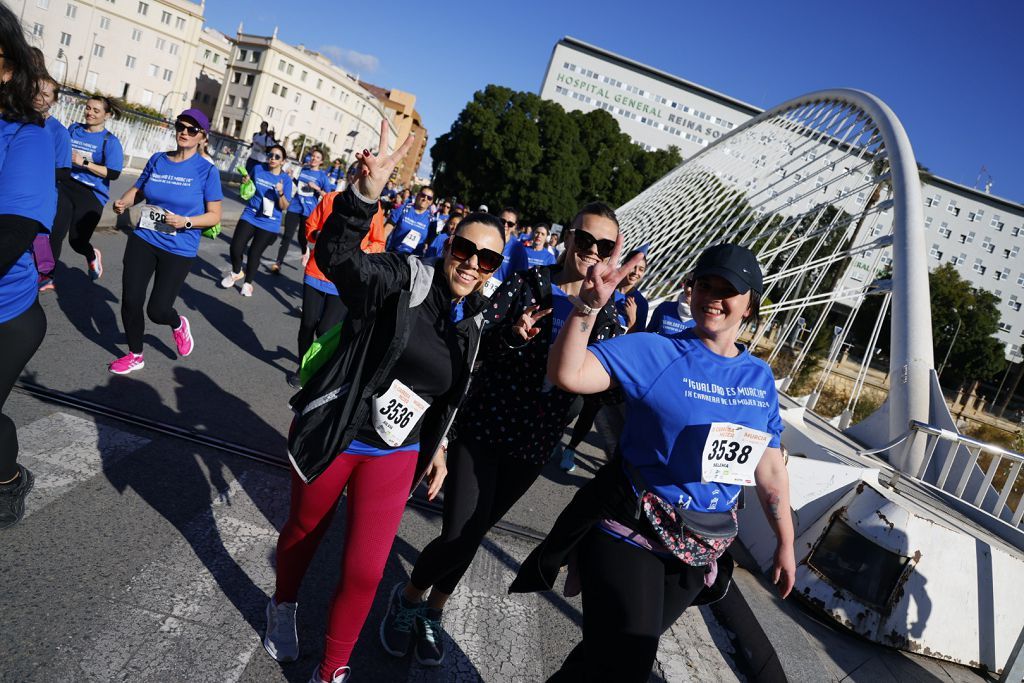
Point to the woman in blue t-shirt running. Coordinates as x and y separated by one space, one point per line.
27 207
182 196
311 184
96 159
260 223
702 421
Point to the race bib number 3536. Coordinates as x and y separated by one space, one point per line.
396 412
731 453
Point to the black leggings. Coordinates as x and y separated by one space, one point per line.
141 261
292 222
585 420
20 337
320 312
481 487
78 214
261 239
630 597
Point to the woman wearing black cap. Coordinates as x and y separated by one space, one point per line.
183 197
702 421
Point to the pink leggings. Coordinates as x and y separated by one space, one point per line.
378 487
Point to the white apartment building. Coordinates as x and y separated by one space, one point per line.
980 234
296 91
140 50
209 69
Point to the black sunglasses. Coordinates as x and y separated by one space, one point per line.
427 196
275 156
181 127
584 241
487 260
509 224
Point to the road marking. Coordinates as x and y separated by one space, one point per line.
64 451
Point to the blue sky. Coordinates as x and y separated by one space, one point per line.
953 71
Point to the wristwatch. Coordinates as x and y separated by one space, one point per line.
85 161
188 223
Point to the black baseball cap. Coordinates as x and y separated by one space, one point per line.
736 264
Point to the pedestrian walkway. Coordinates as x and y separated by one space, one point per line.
143 557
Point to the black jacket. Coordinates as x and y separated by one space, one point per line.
380 291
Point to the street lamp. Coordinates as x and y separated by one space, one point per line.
64 76
959 322
167 97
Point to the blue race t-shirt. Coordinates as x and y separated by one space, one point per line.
666 319
410 232
305 199
325 286
641 307
515 260
183 188
27 165
102 148
561 308
262 211
542 257
675 387
436 247
61 142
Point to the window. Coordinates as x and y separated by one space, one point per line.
1020 280
90 80
280 65
312 105
291 69
978 267
71 12
996 223
1002 274
987 245
1015 232
242 54
179 23
933 200
147 96
97 50
1005 327
165 18
928 223
168 75
284 91
173 48
143 8
276 88
319 83
1014 251
136 35
104 23
935 253
975 215
216 59
37 30
161 44
43 4
944 230
65 39
957 260
231 100
270 111
154 70
244 103
303 76
254 56
1013 302
953 208
249 78
236 77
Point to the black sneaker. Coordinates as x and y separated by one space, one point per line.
396 629
429 637
294 380
12 498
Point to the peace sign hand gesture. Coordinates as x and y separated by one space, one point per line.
375 169
602 278
525 327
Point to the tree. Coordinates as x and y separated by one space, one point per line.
976 354
509 147
302 144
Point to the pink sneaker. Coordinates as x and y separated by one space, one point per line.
126 364
183 338
96 266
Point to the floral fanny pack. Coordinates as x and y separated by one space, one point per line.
696 538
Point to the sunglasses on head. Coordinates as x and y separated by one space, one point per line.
182 127
584 241
463 249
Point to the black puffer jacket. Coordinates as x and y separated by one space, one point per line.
380 291
512 408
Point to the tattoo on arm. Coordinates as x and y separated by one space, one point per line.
773 505
584 326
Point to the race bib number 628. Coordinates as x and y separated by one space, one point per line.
731 453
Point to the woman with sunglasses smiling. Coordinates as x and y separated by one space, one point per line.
374 415
507 430
260 222
182 196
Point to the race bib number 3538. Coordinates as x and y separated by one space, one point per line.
731 453
396 412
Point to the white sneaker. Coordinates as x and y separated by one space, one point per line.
231 278
247 289
341 675
282 638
